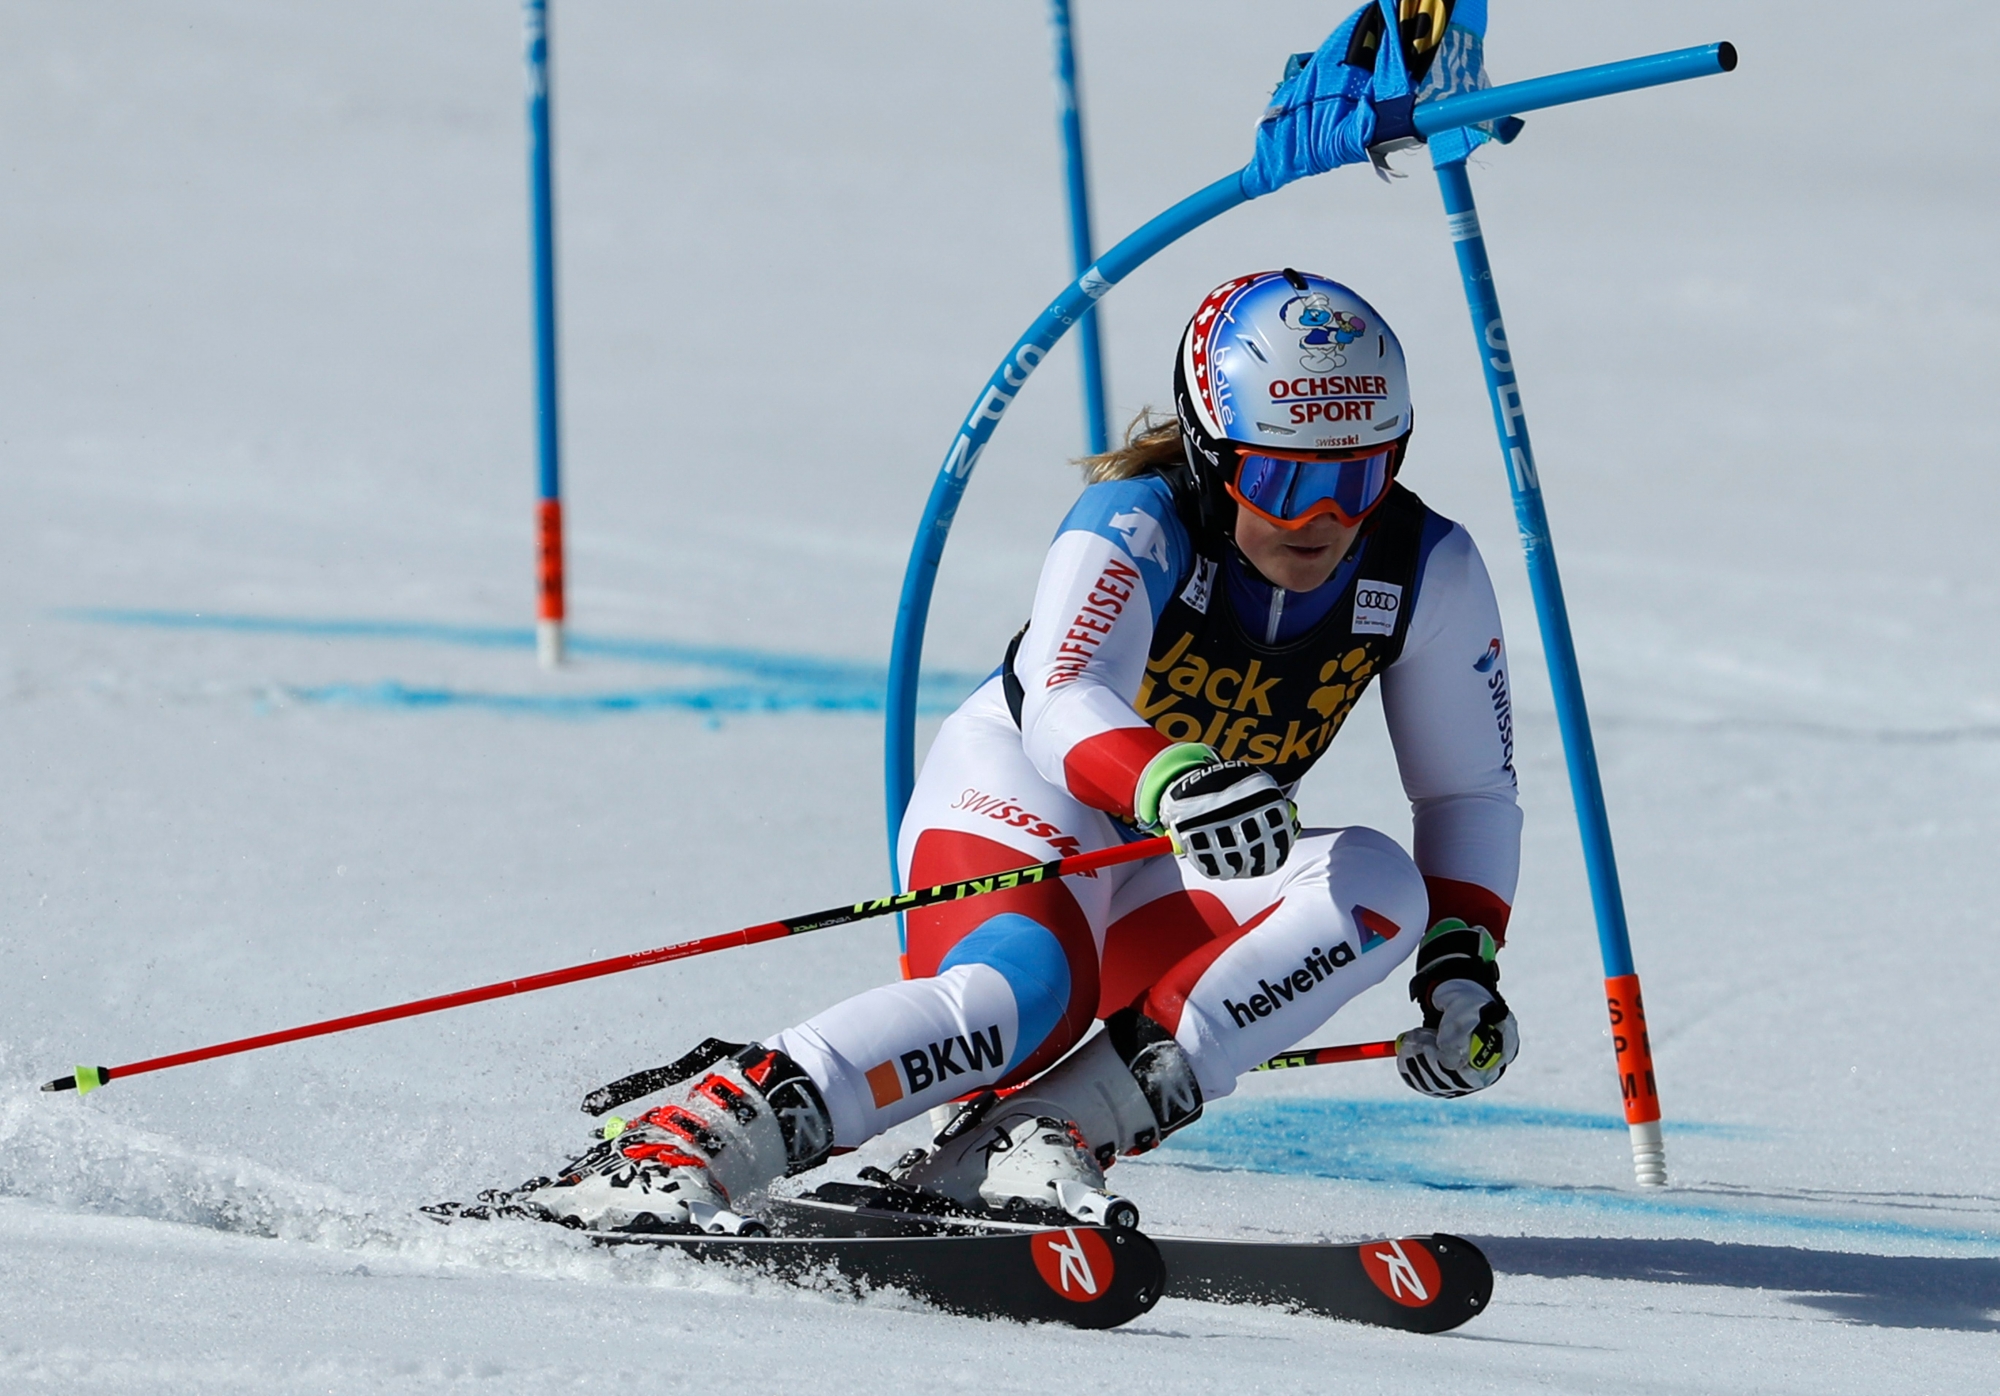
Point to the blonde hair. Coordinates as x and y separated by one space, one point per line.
1151 443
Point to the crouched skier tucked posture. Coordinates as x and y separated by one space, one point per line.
1209 613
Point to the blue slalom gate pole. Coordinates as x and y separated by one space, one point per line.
1510 424
920 577
542 215
899 757
1069 110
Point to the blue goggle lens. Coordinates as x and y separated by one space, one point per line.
1297 489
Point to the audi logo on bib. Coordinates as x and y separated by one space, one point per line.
1375 607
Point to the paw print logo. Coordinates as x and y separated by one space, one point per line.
1342 680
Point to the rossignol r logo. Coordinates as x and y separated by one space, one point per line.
1404 1270
1075 1264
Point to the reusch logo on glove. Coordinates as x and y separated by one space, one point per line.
1318 966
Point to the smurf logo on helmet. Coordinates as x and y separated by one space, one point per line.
1248 341
1326 331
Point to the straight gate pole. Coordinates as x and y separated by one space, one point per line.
1621 980
541 185
1069 110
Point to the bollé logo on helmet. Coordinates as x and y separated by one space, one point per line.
1213 403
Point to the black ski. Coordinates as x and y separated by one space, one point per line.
1422 1284
1084 1276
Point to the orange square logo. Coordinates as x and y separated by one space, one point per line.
886 1085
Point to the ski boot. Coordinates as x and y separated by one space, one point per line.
740 1118
1040 1153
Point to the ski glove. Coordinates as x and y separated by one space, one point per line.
1469 1036
1467 1051
1228 818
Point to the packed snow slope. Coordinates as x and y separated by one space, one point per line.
274 747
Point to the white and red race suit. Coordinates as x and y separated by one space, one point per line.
1142 636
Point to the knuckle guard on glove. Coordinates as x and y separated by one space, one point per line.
1230 820
1417 1061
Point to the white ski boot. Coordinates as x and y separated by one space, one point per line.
739 1118
1045 1148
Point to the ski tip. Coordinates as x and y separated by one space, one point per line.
61 1083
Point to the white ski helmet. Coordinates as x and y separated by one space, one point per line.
1287 361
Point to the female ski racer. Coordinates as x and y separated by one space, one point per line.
1223 592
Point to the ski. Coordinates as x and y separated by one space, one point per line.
1083 1276
1421 1284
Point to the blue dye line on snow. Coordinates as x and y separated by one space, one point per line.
1313 1119
738 699
1393 1144
789 682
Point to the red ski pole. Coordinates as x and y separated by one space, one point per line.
1328 1056
89 1078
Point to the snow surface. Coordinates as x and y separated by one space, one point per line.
275 748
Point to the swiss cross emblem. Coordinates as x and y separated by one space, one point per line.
1204 326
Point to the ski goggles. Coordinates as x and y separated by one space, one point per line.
1288 490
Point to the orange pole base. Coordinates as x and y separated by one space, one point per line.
549 582
1636 1081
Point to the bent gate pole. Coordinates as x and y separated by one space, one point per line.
1510 423
1634 1055
941 508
